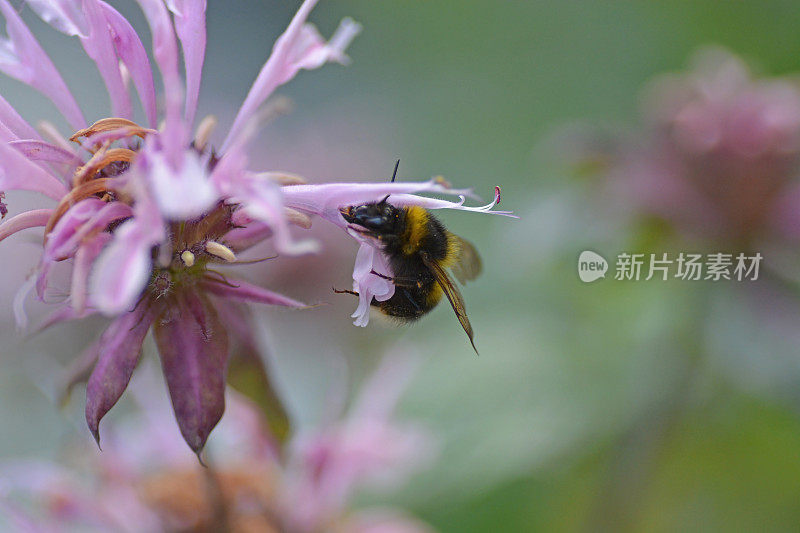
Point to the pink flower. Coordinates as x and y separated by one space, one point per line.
145 480
144 215
719 153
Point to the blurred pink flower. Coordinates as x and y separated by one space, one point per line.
718 157
145 481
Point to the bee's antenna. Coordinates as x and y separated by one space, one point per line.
394 175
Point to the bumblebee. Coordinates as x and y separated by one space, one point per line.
420 250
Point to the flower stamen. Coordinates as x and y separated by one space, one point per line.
188 258
221 251
204 131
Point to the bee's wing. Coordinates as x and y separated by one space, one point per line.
468 263
452 293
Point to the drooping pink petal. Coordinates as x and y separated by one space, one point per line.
131 51
63 244
190 24
19 173
28 219
123 268
68 224
14 122
165 51
118 352
247 292
43 151
23 59
299 47
194 364
367 284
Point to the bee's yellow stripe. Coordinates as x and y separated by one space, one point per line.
416 229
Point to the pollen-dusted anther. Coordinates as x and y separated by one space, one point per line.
3 206
283 178
188 258
204 131
297 218
111 124
220 250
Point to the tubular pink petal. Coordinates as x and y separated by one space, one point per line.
84 258
100 47
299 47
367 284
312 52
183 193
66 16
19 173
165 51
44 151
28 219
190 24
194 364
15 123
63 314
435 203
85 19
326 199
261 200
133 54
23 59
118 352
247 292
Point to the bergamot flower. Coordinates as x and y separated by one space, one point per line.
146 215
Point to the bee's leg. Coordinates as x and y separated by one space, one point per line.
344 291
399 282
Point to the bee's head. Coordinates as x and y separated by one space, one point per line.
378 217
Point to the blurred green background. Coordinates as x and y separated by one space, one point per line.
649 406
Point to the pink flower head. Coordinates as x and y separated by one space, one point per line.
720 153
146 215
372 268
